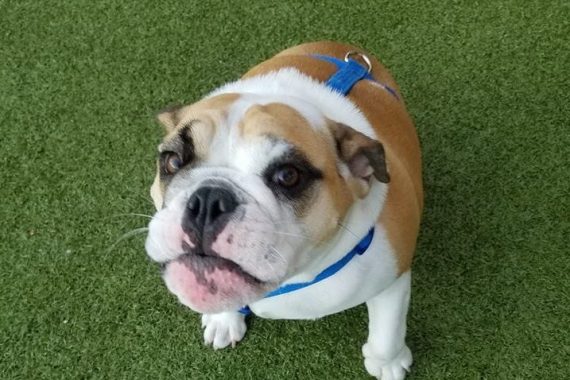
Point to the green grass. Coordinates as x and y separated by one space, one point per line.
486 82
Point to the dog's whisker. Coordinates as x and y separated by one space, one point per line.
347 229
146 198
131 214
279 254
288 233
305 237
278 260
135 232
264 222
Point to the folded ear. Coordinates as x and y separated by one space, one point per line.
169 117
363 156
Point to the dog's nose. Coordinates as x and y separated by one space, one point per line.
207 205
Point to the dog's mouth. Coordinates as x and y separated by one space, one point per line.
207 263
211 284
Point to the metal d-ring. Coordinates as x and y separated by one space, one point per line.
357 54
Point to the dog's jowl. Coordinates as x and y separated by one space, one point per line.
294 192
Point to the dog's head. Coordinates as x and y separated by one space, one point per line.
246 186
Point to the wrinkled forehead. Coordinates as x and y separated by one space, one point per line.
248 131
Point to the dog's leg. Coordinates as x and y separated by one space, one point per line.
223 329
386 355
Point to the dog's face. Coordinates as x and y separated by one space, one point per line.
245 188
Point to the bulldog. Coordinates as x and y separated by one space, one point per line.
294 192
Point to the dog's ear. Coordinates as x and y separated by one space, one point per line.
169 117
363 156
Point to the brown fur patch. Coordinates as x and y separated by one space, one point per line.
174 117
284 122
202 117
354 146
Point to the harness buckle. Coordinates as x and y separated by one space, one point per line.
363 57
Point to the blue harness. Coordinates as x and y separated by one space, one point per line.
348 73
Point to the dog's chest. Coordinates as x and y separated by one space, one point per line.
362 278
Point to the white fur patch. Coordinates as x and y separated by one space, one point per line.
361 279
223 329
386 355
301 92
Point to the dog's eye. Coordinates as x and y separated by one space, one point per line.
287 176
172 163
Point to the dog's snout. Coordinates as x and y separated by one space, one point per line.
207 205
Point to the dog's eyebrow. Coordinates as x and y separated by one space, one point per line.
181 141
295 156
185 132
292 154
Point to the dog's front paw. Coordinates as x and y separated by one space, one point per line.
391 369
223 329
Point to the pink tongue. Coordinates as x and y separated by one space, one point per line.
207 285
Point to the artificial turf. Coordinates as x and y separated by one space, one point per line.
487 83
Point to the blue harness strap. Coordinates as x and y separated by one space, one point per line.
348 73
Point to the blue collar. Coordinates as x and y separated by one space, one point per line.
348 73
